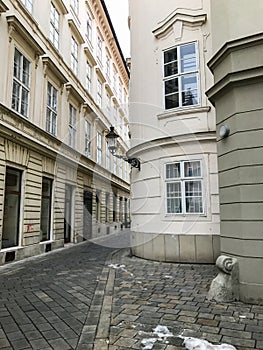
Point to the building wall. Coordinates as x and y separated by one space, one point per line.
163 135
236 94
67 155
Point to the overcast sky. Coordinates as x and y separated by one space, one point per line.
119 12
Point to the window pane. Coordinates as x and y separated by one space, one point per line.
174 205
189 90
171 86
172 170
193 197
188 58
172 101
170 55
174 189
192 169
170 69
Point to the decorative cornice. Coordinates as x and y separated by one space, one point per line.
171 140
61 6
71 90
14 25
3 7
230 46
233 79
76 31
50 65
191 19
100 74
90 56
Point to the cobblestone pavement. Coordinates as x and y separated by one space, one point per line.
44 300
92 297
146 294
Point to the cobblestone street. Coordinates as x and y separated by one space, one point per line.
95 297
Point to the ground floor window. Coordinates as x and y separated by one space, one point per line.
46 203
184 187
10 237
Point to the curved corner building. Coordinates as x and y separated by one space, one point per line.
174 197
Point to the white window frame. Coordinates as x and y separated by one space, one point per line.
87 138
21 84
99 93
72 126
180 76
89 27
52 109
99 48
182 180
75 6
28 5
74 55
88 77
99 148
54 25
108 66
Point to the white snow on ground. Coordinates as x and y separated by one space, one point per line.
148 343
162 332
201 344
121 267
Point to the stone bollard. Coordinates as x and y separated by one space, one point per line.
225 287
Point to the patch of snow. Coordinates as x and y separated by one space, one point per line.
201 344
242 316
162 332
148 343
168 276
121 267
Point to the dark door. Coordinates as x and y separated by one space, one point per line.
68 213
87 215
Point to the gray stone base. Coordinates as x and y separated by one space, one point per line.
199 248
19 253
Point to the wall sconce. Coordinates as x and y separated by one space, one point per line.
224 131
111 138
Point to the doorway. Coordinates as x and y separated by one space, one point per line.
68 211
87 215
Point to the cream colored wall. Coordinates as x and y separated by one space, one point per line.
160 136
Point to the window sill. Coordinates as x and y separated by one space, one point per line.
182 112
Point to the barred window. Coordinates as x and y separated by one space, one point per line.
184 187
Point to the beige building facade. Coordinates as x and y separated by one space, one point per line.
174 197
236 64
64 82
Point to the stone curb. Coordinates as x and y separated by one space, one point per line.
95 332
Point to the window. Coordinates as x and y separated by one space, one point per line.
46 202
120 92
74 55
99 48
114 79
99 93
108 66
11 218
98 206
108 104
54 25
108 158
99 148
28 4
88 77
87 138
107 209
181 76
21 84
89 27
52 103
184 183
75 5
114 165
72 126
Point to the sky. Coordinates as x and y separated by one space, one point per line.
119 12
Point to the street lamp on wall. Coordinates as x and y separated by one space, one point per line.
111 138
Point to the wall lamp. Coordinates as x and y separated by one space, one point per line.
111 138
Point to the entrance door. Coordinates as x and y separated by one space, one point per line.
68 213
87 215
